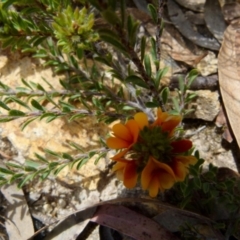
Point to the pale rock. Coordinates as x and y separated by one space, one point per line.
61 203
208 65
206 105
47 208
110 191
34 196
3 61
39 135
208 143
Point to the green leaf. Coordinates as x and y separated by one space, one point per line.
165 95
192 75
45 174
147 64
16 177
52 165
153 13
81 163
76 116
6 171
152 104
67 156
176 104
76 146
99 157
25 180
59 169
25 123
4 86
79 53
154 50
40 87
36 105
111 17
41 158
132 27
3 105
50 119
91 154
46 150
123 11
182 85
20 102
46 115
7 4
16 113
205 187
136 81
33 164
160 74
114 42
13 165
67 105
3 119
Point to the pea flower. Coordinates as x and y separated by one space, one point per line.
150 153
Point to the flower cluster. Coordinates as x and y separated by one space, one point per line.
150 152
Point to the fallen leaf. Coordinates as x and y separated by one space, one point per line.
231 11
71 226
178 49
130 223
229 75
154 205
221 122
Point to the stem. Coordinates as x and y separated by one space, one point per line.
159 30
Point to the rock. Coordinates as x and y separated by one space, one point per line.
208 65
206 105
39 135
208 143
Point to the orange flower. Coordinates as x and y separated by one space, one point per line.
127 172
126 135
180 163
153 152
166 121
180 166
157 176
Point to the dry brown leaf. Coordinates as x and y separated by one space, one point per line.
152 204
229 75
221 122
178 49
130 223
231 11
